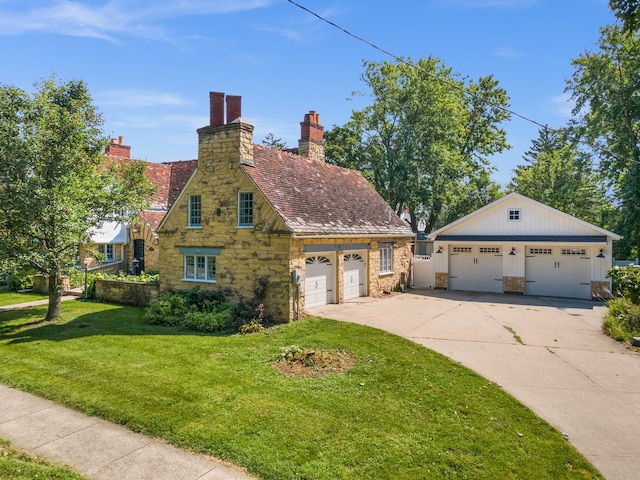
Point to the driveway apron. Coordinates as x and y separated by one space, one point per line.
549 353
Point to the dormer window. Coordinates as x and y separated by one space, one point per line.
514 214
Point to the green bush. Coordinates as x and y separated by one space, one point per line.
218 320
626 282
202 311
623 319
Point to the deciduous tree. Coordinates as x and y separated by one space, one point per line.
54 185
425 140
605 86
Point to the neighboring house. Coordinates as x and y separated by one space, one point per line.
316 232
133 247
518 245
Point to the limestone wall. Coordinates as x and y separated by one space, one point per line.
129 293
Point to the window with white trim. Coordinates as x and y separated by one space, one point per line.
195 211
200 267
106 249
461 249
245 209
514 214
386 258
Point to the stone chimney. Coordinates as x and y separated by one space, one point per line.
117 148
311 142
221 143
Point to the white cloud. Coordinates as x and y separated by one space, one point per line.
111 19
125 97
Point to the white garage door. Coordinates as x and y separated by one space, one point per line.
474 268
318 283
558 272
354 276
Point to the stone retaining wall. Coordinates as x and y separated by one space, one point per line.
129 293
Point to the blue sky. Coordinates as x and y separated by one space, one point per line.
150 64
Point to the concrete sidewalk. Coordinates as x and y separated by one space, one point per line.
549 353
97 449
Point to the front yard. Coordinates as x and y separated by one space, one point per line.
395 410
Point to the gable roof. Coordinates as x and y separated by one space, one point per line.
566 218
318 199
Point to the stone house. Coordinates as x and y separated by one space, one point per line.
315 232
133 247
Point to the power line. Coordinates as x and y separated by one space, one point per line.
403 61
399 59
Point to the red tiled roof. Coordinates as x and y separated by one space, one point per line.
152 219
180 174
316 198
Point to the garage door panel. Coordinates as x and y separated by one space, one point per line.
318 284
558 272
354 276
475 268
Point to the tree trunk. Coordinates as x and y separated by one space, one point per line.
56 288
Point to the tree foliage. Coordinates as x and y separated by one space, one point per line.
54 184
270 141
628 11
605 87
558 174
425 140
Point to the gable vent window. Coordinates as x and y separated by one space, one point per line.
195 211
245 209
514 214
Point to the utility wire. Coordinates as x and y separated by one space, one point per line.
447 82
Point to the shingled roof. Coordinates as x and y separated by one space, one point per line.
316 198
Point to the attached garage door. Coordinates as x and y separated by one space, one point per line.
318 283
354 276
475 268
558 272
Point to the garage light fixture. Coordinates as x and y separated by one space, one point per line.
601 254
439 249
513 251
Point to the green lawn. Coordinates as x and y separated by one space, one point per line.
17 465
402 411
12 298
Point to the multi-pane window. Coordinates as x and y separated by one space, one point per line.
195 211
540 251
245 209
489 249
461 249
574 251
106 249
514 214
386 258
200 267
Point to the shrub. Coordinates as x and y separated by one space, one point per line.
202 311
623 319
626 282
209 321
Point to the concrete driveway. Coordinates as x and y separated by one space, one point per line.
549 353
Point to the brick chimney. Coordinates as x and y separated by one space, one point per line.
117 148
311 142
221 143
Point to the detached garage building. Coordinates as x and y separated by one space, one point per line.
518 245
